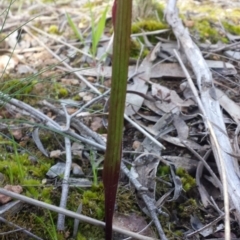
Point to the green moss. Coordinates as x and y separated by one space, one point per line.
17 88
46 194
31 182
97 107
31 187
93 206
93 202
62 92
171 233
80 237
163 170
188 208
14 167
178 233
58 91
206 31
148 25
93 4
53 29
233 29
76 98
188 181
91 232
126 201
135 50
39 170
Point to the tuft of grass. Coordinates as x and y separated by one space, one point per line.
50 228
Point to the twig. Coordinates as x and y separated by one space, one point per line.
206 226
141 230
217 148
22 229
83 129
150 203
144 132
71 214
62 60
55 39
204 163
10 232
91 102
149 33
5 99
65 185
36 114
98 92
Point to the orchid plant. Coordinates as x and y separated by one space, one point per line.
121 18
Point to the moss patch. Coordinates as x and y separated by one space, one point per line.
188 182
204 30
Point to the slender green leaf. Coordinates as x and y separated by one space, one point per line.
74 28
97 30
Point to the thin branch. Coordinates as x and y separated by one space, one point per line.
65 185
19 228
217 147
71 214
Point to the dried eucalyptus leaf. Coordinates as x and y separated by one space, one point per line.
181 127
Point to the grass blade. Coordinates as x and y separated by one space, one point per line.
97 30
74 28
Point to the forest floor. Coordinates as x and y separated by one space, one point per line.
55 64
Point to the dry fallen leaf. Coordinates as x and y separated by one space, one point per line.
87 98
96 123
136 145
55 154
17 133
134 223
70 81
7 63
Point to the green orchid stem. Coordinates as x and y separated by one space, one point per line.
122 12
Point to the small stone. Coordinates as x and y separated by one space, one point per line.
13 188
189 23
44 181
77 170
66 81
55 153
91 79
82 94
71 110
87 98
17 134
136 145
